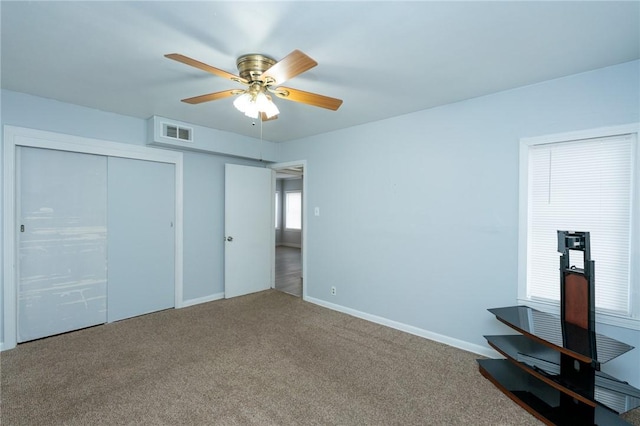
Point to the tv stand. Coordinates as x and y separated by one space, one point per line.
552 370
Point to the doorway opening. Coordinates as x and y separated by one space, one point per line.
289 228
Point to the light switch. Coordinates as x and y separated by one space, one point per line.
316 211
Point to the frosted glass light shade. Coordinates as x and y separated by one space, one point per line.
252 110
268 107
252 104
242 102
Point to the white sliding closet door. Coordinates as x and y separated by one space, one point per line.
62 209
141 237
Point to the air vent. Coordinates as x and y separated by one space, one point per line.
177 132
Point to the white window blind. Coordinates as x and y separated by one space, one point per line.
293 210
583 185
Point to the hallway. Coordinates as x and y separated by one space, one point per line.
289 270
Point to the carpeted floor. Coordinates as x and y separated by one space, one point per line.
263 359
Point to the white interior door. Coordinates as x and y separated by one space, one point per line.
62 264
249 230
141 237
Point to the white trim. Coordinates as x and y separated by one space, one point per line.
205 299
599 132
272 278
18 136
305 216
440 338
632 322
9 309
277 207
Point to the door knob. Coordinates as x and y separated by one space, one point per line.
229 239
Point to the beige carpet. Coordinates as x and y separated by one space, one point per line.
263 359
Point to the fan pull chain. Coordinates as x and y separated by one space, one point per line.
261 139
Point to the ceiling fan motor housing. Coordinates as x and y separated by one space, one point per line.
251 67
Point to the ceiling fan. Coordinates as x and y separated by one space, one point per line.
262 75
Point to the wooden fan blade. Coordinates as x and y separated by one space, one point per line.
291 65
296 95
212 96
263 117
208 68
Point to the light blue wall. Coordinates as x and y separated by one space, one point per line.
211 141
204 223
203 179
19 109
419 213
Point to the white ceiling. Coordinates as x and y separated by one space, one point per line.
382 58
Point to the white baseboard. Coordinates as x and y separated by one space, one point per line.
184 304
205 299
456 343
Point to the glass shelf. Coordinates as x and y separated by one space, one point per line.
553 369
540 399
549 330
544 363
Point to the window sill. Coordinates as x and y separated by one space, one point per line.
601 318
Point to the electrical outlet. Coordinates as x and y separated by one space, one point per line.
333 290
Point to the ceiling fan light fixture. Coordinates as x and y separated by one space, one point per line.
253 102
261 74
252 112
266 105
243 102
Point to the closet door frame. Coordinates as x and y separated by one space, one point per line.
23 137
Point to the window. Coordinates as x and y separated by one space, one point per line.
581 184
277 210
293 210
